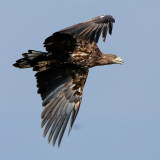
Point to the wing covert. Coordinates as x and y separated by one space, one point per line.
60 43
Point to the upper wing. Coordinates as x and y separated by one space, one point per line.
89 31
61 92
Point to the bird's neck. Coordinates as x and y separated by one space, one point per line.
105 59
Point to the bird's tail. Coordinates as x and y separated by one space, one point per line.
31 59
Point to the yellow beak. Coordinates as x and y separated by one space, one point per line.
118 60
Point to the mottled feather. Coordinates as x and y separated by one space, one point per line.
63 70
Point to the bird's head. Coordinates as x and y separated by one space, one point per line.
107 59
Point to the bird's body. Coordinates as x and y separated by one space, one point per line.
63 69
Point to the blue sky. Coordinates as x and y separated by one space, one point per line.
119 116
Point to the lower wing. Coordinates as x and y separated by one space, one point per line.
61 92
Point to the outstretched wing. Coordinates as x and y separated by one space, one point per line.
89 31
61 92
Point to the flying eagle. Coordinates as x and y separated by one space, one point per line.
62 71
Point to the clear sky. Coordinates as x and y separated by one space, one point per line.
119 118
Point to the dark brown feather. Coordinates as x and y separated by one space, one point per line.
63 69
60 99
90 30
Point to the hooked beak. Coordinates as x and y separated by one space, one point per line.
118 60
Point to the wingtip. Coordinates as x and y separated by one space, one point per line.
44 134
59 145
69 131
15 65
53 143
111 18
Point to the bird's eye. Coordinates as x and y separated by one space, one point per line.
115 56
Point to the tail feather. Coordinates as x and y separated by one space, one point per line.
22 63
30 59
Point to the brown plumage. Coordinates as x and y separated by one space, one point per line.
63 70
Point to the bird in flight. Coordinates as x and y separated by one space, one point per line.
63 69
